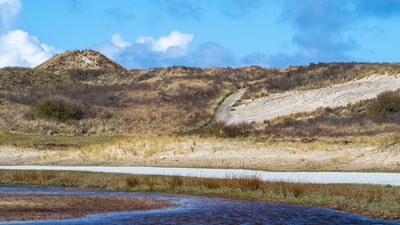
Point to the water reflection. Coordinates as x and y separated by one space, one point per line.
197 210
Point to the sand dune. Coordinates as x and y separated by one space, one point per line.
287 103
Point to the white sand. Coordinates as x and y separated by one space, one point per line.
287 103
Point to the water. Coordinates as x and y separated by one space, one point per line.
196 210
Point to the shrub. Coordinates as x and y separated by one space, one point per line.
237 130
59 108
387 102
215 129
132 181
233 130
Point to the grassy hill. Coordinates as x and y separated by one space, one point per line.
84 93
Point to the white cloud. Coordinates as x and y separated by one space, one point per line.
166 48
9 10
18 48
175 40
113 48
118 41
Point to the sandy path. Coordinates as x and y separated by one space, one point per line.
300 177
288 103
224 111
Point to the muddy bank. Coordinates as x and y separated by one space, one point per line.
50 207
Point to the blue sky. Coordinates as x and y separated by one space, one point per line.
202 33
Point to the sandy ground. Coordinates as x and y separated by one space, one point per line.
287 103
226 153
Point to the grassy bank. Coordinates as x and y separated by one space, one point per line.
382 202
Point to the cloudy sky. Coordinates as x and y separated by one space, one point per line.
202 33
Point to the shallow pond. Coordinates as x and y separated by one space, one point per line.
197 210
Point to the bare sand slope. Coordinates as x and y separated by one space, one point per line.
288 103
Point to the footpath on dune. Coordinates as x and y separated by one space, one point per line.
287 103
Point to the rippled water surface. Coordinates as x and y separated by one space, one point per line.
198 210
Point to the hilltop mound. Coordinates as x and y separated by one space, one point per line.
80 60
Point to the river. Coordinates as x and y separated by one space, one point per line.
196 210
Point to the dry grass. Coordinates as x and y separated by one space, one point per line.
154 101
47 142
124 148
387 141
129 104
194 151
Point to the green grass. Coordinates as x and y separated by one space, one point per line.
374 201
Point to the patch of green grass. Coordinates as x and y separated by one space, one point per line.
237 103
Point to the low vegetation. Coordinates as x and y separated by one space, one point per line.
218 129
174 100
387 102
59 108
368 200
46 142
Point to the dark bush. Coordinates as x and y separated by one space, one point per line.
215 129
387 102
238 130
59 108
233 130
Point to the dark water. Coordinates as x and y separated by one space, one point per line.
198 210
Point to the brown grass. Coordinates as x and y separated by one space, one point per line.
153 101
